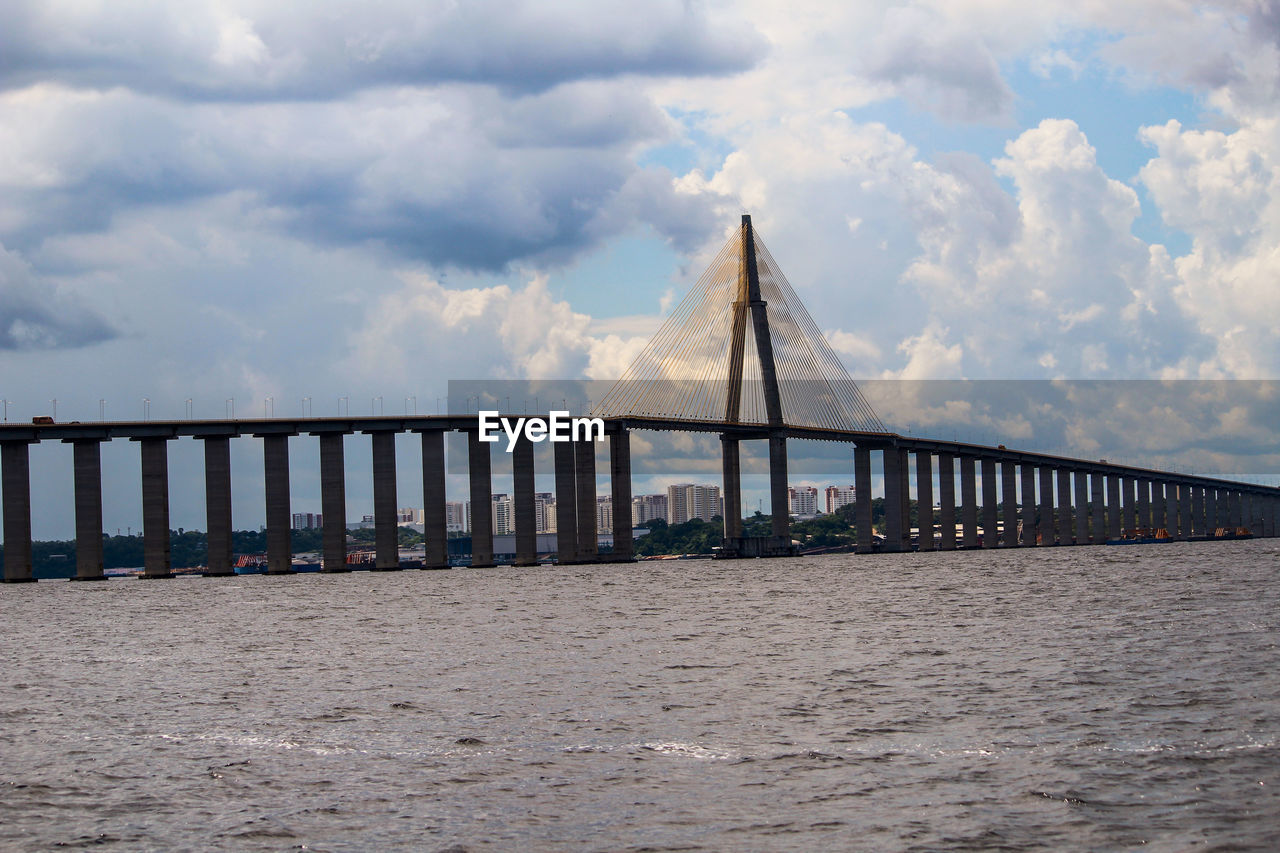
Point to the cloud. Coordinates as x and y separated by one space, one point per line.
290 49
36 315
939 67
456 176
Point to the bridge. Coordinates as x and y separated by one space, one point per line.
740 358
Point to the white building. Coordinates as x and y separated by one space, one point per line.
838 496
457 516
544 510
686 501
647 507
504 517
803 501
604 514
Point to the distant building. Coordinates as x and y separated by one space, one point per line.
504 518
838 496
457 516
544 510
604 514
803 501
686 501
648 507
410 515
308 521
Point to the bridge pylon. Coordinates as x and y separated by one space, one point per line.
741 349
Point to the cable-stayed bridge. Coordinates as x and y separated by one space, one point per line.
740 357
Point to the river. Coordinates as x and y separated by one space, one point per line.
1067 698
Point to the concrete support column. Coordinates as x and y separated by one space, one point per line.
566 504
435 523
1129 505
1029 511
1158 521
386 534
924 498
1113 506
946 502
1211 520
1172 511
1198 520
217 506
905 468
1098 529
1184 510
479 469
894 524
1247 503
620 489
15 470
779 499
1009 500
1270 509
731 482
1143 521
968 502
275 454
1081 482
333 502
526 510
584 462
1066 529
862 497
156 560
1045 528
1237 510
990 513
87 459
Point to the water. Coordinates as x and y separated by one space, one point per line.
1070 698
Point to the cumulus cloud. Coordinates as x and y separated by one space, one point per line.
939 66
454 176
35 314
290 49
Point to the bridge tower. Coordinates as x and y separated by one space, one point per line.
741 351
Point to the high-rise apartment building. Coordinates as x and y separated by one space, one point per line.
647 507
838 496
686 501
803 501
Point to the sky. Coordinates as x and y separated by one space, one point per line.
294 206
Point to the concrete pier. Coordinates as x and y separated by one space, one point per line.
1097 509
524 505
1009 501
333 502
566 505
779 498
217 506
1128 505
15 472
731 481
862 497
1081 482
584 464
946 502
1030 512
1158 506
990 508
1066 528
386 526
1113 506
1142 521
968 502
924 499
895 526
620 490
275 463
156 559
1198 520
87 462
1211 520
435 528
1184 511
479 469
1045 528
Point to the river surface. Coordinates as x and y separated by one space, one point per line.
1067 698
